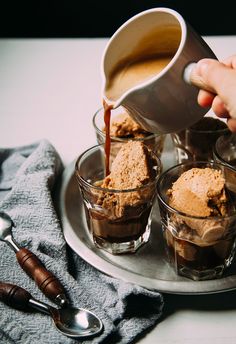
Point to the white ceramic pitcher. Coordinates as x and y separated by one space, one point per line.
165 102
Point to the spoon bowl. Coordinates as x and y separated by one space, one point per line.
73 321
70 321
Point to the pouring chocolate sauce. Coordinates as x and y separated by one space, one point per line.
148 68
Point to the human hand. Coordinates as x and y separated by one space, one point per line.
220 78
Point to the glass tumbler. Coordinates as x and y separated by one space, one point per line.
155 142
199 248
196 143
119 221
225 150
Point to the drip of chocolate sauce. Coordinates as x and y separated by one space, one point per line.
107 117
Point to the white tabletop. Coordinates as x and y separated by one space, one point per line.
50 88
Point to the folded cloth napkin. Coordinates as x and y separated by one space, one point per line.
27 182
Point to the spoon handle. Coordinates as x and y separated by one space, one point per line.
14 296
45 280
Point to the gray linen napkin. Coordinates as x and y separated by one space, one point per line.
27 181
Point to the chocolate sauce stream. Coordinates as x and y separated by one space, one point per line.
107 118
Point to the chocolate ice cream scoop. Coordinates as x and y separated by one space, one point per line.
133 168
122 125
199 192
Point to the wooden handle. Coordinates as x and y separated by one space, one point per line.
45 280
14 296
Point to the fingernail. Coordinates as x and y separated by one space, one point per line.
202 67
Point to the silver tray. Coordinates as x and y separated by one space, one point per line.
148 267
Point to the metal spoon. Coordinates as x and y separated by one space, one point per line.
71 322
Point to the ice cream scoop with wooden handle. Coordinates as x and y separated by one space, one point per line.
45 280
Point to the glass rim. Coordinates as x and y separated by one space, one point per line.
223 130
173 210
226 129
117 191
122 139
222 160
217 154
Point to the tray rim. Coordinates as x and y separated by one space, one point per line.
89 254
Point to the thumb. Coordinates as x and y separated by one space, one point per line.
215 77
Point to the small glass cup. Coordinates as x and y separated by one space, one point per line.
225 150
155 142
116 224
196 143
199 248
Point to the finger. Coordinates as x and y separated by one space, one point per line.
219 107
205 98
220 79
230 61
224 115
232 124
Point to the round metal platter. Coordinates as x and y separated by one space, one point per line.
148 267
